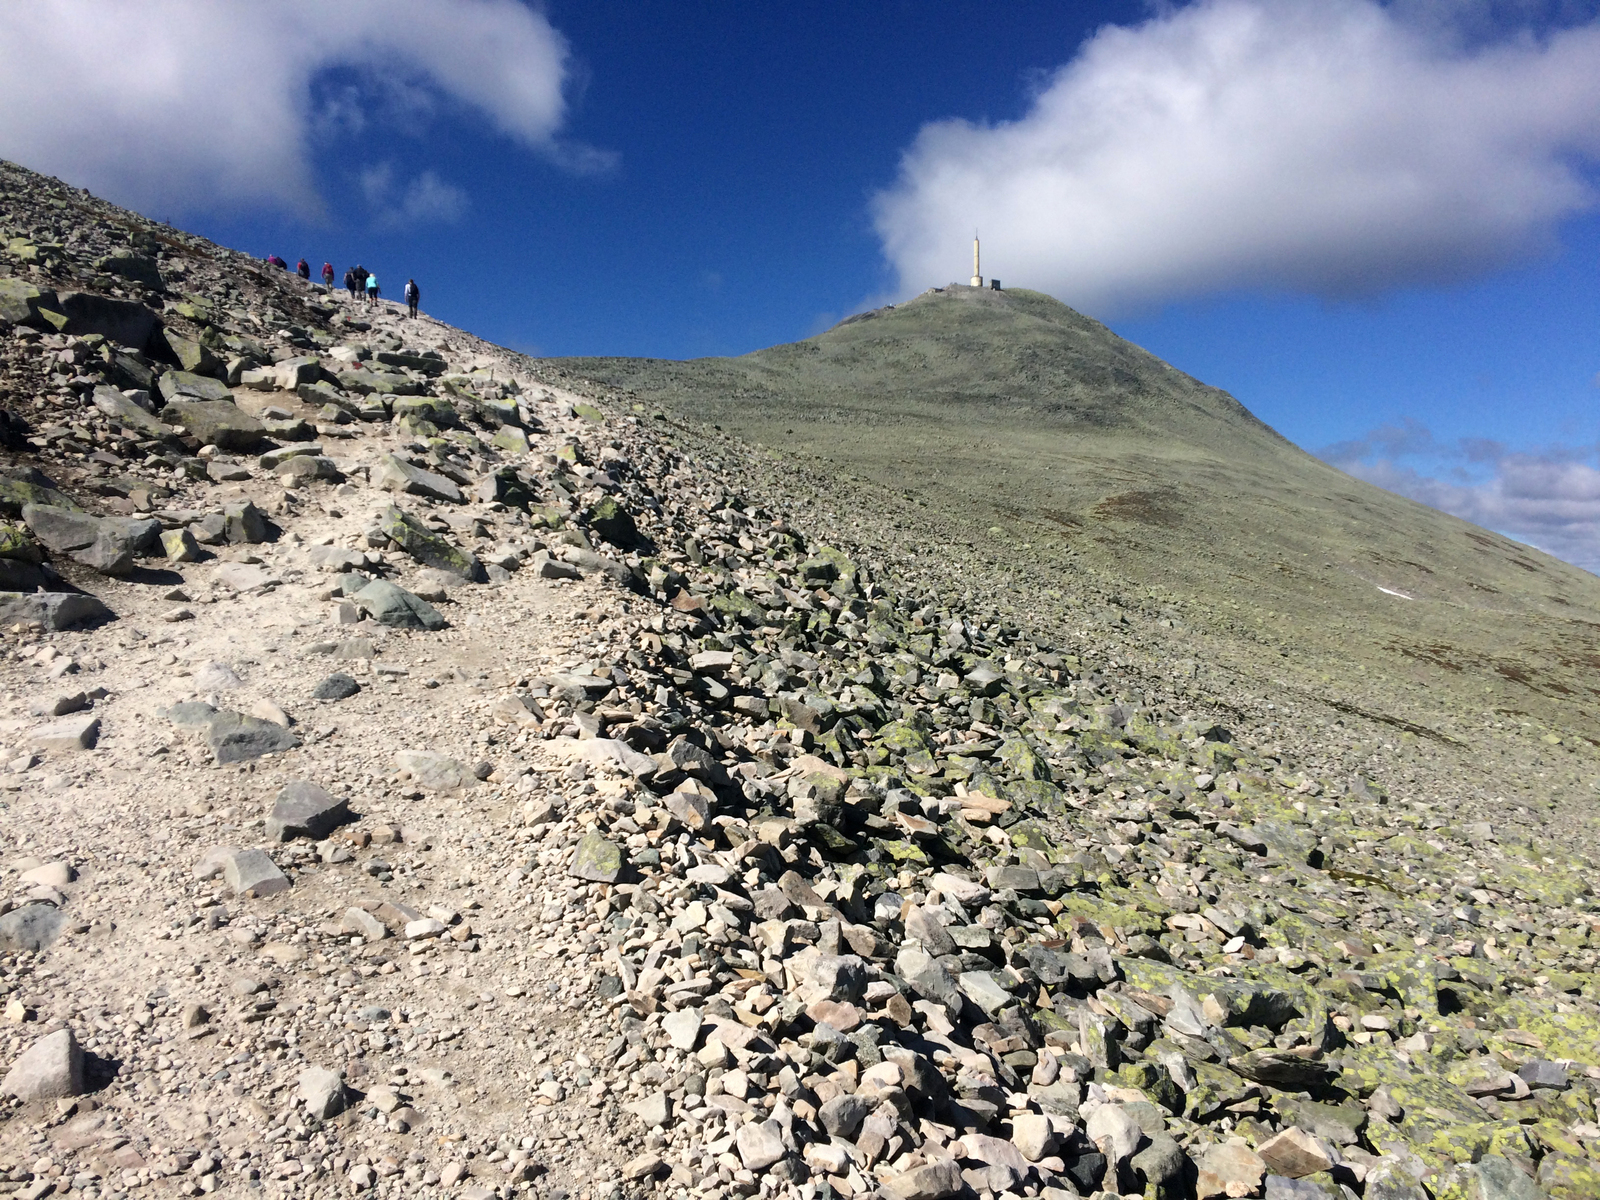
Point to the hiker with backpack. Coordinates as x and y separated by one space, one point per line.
350 281
413 296
361 281
327 275
303 269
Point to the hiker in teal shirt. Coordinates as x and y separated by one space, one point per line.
372 291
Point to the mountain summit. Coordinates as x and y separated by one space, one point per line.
1099 485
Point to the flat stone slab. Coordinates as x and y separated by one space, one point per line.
252 872
436 772
69 733
304 809
185 384
220 423
389 604
237 737
394 474
596 860
129 415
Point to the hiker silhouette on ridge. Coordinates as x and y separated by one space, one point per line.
327 275
372 290
413 297
303 269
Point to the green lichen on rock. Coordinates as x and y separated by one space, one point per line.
596 860
427 547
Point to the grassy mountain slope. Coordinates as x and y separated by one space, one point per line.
1009 430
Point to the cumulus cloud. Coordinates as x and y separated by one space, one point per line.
1549 498
1328 146
188 104
425 198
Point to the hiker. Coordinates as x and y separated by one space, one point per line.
327 275
274 261
303 269
361 281
413 296
372 291
350 281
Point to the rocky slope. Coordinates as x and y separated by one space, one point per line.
428 776
1116 504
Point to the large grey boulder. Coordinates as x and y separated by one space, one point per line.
842 1115
931 1181
21 303
394 474
179 385
307 467
50 1069
760 1144
428 364
304 809
220 423
128 414
80 732
236 737
244 523
134 267
120 321
107 544
596 860
52 610
928 978
322 1092
33 927
194 357
26 485
252 872
427 547
390 605
436 772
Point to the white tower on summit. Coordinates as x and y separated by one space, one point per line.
977 275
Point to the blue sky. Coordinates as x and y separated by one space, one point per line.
1374 224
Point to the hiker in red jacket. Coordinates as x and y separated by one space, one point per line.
327 275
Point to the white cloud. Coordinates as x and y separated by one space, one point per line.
190 104
1327 146
425 198
1549 499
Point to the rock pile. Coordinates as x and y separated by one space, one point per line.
475 796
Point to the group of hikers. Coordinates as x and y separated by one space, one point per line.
358 281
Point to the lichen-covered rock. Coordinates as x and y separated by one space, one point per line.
597 860
427 547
